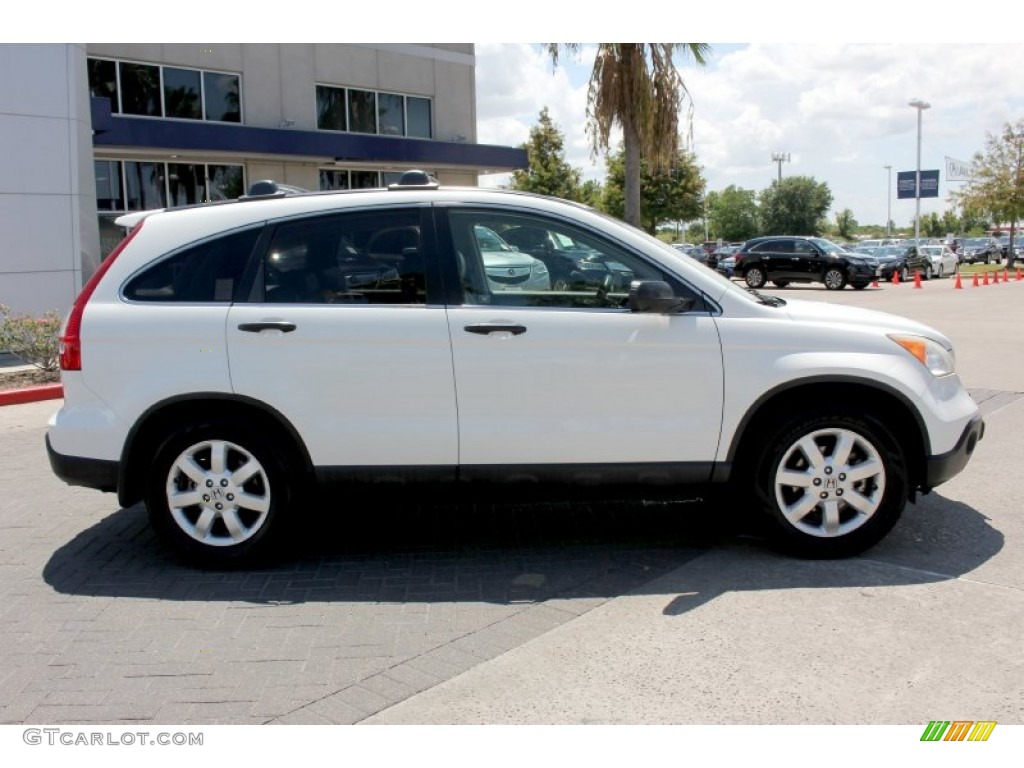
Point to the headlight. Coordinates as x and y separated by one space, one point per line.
937 359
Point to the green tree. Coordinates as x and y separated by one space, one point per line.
797 205
845 223
997 188
548 172
669 195
638 87
732 213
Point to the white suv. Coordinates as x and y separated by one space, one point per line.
230 361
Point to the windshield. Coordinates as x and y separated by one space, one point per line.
827 245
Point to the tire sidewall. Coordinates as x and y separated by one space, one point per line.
258 547
835 285
759 279
779 441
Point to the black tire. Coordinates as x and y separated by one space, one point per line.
236 518
928 274
904 275
561 285
755 277
872 504
859 286
781 283
834 279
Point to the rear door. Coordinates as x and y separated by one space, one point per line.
345 337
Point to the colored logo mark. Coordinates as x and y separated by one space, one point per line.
958 730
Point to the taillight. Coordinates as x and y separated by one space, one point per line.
70 339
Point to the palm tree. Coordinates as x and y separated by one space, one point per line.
637 86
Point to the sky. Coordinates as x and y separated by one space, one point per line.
828 85
840 111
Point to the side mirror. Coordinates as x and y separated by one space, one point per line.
656 296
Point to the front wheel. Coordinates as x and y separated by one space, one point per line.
859 286
755 277
832 484
216 495
834 279
928 272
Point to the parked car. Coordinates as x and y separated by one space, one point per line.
727 266
979 249
572 265
232 416
936 261
893 260
508 268
785 260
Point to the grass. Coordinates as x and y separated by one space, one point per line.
970 269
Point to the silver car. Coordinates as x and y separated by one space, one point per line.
508 268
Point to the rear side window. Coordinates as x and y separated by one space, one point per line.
208 272
371 257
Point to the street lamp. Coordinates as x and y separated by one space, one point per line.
888 204
920 106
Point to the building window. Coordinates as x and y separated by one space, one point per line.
109 194
391 114
140 89
103 81
223 100
330 108
419 122
151 90
182 97
333 179
362 108
360 111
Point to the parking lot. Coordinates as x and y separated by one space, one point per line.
565 614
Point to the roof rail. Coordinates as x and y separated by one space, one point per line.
270 188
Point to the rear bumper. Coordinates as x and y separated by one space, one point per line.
939 469
100 474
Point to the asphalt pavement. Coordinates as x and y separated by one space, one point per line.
550 614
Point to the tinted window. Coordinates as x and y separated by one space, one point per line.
208 272
357 258
222 97
523 260
140 89
181 93
103 81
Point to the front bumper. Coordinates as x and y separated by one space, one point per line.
939 469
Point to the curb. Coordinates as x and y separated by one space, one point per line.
31 394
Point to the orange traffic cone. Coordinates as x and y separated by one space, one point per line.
1020 275
957 284
984 279
895 277
975 283
1006 275
917 278
995 277
874 283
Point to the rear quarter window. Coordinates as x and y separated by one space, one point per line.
210 271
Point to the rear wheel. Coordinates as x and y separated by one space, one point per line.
834 279
928 272
831 483
216 495
781 283
755 277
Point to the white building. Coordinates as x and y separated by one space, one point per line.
88 131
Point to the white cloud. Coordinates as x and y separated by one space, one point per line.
839 110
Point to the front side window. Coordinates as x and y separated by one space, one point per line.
508 259
357 258
209 272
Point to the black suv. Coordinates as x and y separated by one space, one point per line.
785 260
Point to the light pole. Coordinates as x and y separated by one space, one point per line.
888 204
920 106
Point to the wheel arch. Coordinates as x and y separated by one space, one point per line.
890 407
153 427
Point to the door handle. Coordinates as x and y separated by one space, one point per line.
268 325
487 328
